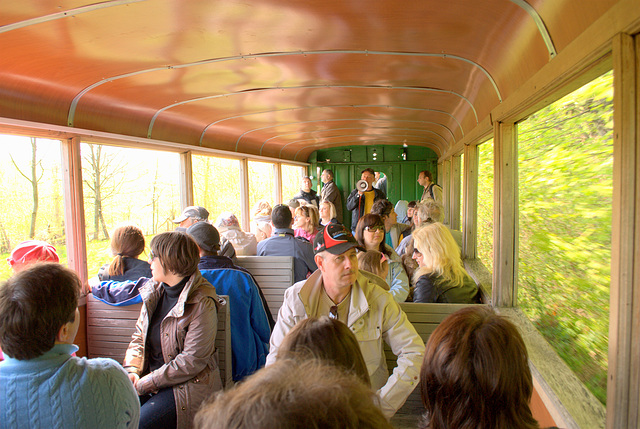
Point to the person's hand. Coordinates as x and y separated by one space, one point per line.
134 378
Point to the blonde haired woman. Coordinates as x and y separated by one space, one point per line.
306 222
327 213
441 276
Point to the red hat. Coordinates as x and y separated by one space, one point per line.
33 251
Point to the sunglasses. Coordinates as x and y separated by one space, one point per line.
374 228
333 312
416 251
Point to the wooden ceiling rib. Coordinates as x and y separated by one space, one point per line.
277 78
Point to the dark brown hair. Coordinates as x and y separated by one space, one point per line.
370 261
126 240
370 220
34 305
475 373
291 394
328 340
177 252
382 207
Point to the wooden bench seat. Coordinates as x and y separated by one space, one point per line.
109 331
274 275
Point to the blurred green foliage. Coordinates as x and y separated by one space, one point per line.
565 194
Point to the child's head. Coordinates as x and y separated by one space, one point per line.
374 262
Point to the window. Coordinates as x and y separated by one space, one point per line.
485 204
216 185
126 185
565 200
32 196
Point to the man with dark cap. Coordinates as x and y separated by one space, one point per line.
250 328
338 290
194 214
283 243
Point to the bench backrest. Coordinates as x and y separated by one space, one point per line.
274 275
425 317
109 331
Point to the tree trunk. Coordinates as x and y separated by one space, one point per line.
97 198
34 188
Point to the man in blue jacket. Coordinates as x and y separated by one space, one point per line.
250 330
283 243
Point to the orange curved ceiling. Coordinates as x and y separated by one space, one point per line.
277 78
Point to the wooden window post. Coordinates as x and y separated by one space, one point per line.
186 180
623 389
454 213
244 193
505 215
470 195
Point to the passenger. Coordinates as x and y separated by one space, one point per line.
340 291
394 231
306 194
261 213
425 213
380 181
127 243
327 213
401 211
328 340
411 211
293 205
475 374
431 190
250 330
244 243
360 202
295 395
441 276
370 235
29 252
263 231
193 214
284 243
374 262
41 384
331 194
306 223
171 360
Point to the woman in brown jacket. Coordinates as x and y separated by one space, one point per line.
171 360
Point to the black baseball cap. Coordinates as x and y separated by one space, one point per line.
205 235
335 239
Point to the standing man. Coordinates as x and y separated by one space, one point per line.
308 195
431 190
340 291
360 202
331 193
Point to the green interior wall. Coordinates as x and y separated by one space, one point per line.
402 170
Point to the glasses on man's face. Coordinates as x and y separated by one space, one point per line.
374 228
333 312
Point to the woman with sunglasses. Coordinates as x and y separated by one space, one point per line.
306 222
441 276
170 359
370 234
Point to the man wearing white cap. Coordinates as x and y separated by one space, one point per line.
191 215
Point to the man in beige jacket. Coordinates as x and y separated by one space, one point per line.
338 290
